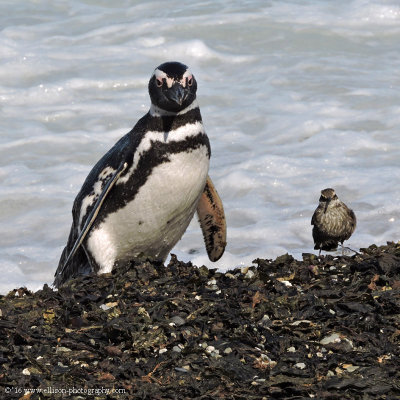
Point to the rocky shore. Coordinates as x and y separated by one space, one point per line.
324 327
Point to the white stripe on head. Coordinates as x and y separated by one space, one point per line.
187 75
161 75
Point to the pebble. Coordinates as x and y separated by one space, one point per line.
333 338
143 312
350 367
314 269
107 306
179 369
301 321
177 320
210 349
228 350
177 349
244 270
213 352
249 274
265 321
62 349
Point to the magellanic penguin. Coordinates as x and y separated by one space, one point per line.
139 198
333 222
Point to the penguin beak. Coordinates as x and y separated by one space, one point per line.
177 94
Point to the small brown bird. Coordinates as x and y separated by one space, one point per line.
333 222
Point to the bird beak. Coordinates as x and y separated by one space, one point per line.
177 93
326 205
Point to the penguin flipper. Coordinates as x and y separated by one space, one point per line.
91 218
77 265
212 221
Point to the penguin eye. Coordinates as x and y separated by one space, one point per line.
159 82
190 81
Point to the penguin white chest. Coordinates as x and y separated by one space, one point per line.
155 219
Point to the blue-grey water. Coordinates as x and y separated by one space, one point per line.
296 96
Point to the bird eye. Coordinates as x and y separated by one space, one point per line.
190 81
159 82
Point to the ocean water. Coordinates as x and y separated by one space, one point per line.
296 96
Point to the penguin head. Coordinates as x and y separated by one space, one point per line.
172 87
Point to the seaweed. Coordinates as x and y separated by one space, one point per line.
324 327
